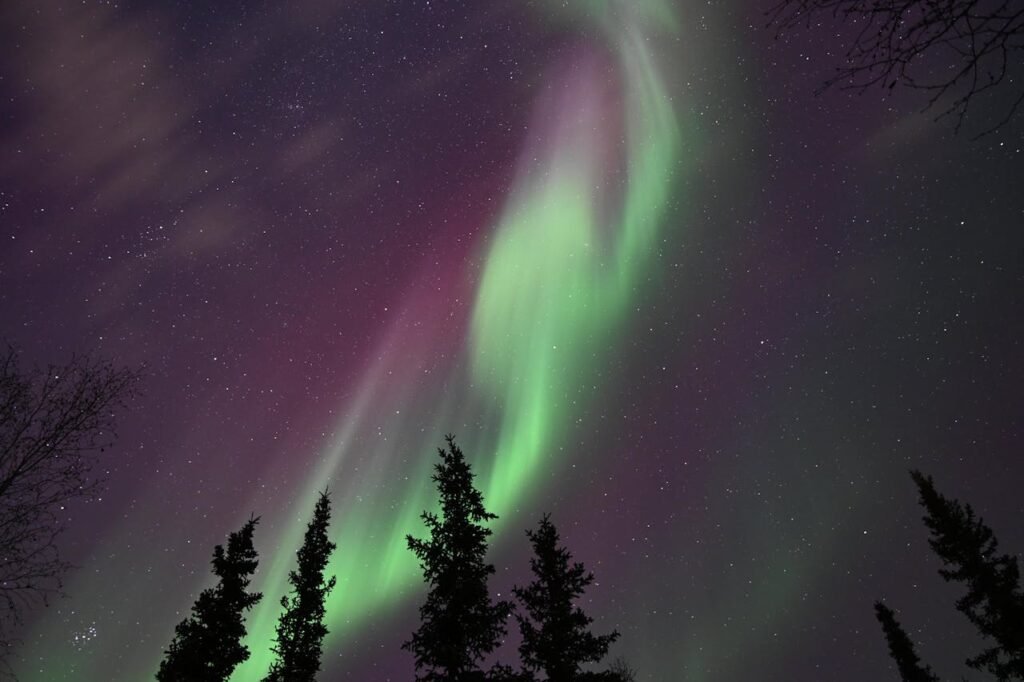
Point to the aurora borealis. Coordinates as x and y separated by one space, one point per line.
651 282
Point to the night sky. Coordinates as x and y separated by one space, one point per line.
652 283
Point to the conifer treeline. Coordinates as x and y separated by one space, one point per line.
207 645
460 626
994 602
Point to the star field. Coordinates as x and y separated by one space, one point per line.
652 282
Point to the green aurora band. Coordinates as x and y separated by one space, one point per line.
549 296
558 277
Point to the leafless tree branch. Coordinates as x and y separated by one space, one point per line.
954 50
53 424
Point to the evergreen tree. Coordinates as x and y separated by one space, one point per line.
459 624
301 629
994 602
556 638
901 648
207 645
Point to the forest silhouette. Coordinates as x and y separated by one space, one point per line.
462 628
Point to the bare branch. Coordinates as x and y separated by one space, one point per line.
955 50
53 424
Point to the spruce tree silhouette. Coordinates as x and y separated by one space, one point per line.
901 648
994 602
556 638
207 645
459 624
301 629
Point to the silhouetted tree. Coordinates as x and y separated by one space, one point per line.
301 629
961 48
460 625
620 671
207 645
994 602
500 672
901 648
556 638
53 424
